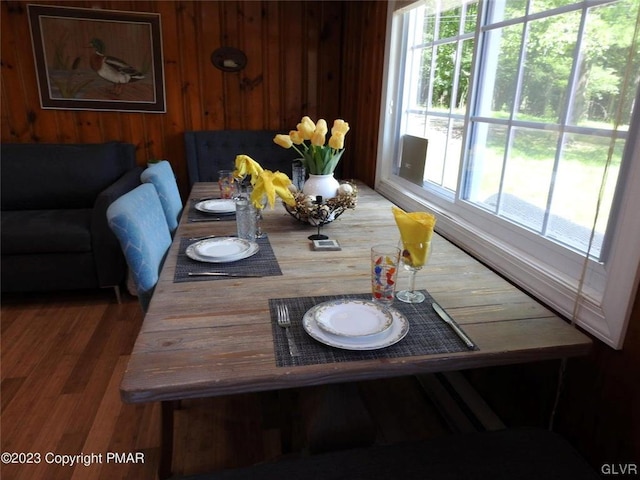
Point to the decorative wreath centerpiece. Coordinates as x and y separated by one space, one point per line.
318 211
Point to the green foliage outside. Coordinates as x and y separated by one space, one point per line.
546 47
550 46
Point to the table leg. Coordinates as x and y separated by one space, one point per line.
166 439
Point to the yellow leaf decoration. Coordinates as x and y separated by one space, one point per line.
270 184
245 165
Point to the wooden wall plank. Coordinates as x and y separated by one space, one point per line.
291 45
252 77
110 126
330 62
213 94
189 63
272 92
14 124
231 20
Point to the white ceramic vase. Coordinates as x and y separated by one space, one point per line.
324 185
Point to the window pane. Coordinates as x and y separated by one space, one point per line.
452 158
443 153
437 134
506 10
500 72
485 166
443 80
576 189
450 23
464 77
537 6
417 86
547 67
527 177
471 17
604 55
428 25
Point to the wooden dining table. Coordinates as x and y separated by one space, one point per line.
206 336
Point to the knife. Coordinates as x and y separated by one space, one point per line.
204 199
222 274
210 219
449 321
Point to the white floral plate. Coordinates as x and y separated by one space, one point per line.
217 205
221 250
353 318
398 330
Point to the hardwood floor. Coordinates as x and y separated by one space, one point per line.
62 359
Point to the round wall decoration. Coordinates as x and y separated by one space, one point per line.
229 59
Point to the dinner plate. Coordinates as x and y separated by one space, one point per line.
391 336
353 318
226 249
221 247
217 205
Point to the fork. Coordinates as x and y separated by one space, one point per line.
285 322
204 237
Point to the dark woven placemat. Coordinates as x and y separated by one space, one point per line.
194 215
428 334
262 263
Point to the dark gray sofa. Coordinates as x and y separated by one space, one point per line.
54 228
211 150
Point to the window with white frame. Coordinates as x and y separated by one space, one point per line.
527 114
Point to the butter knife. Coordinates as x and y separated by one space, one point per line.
209 219
449 321
222 274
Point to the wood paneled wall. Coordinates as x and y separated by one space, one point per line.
322 59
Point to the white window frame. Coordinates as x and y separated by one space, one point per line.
605 299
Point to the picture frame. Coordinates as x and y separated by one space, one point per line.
92 59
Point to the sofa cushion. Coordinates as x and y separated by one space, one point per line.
51 176
211 150
46 231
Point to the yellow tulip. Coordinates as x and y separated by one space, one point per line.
270 184
321 126
416 230
309 139
245 165
295 137
306 127
283 140
337 141
341 126
318 139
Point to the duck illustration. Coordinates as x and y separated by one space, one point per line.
112 69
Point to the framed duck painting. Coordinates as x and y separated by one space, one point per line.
90 59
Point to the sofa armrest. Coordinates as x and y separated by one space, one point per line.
108 257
